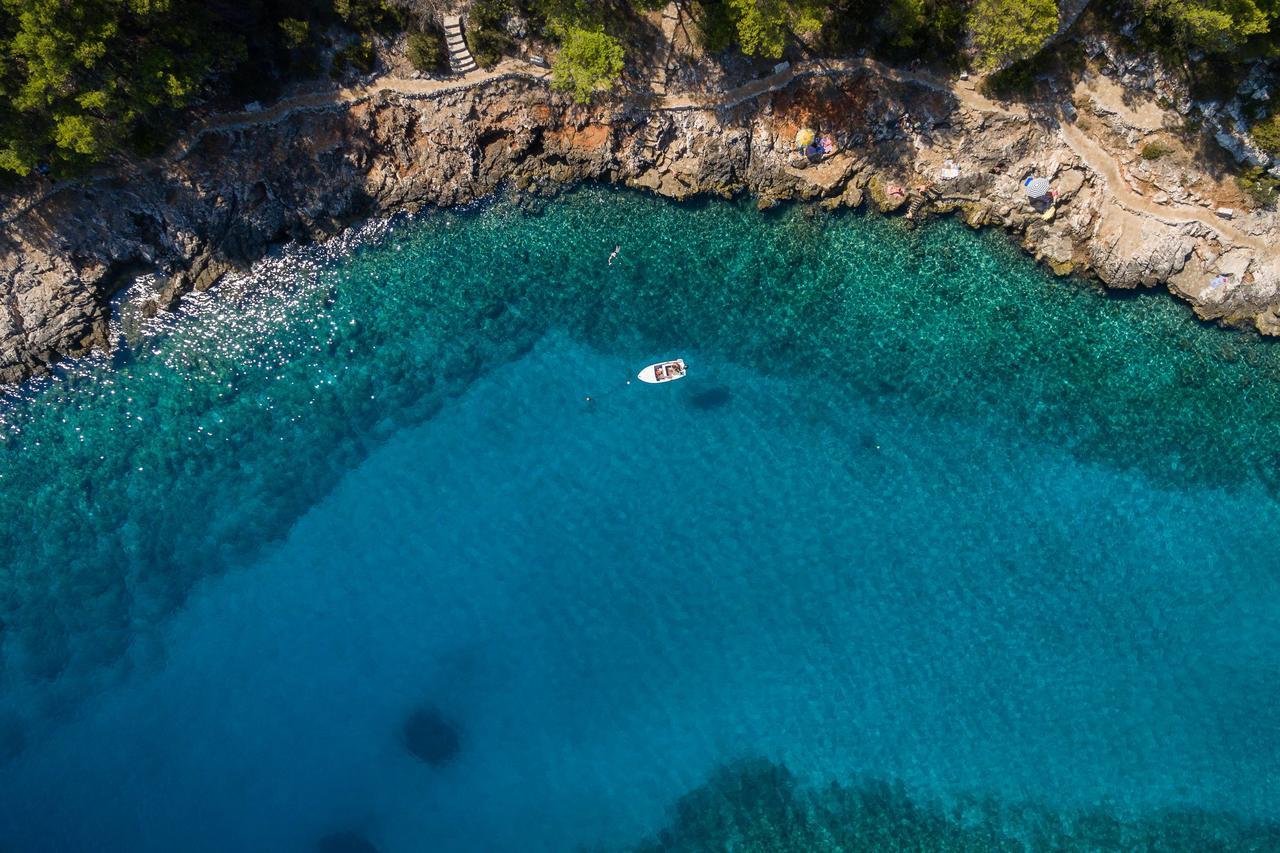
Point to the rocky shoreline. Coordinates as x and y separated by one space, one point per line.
242 188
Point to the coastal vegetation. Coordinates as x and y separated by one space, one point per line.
1215 25
589 61
1005 31
1267 133
82 81
486 39
426 51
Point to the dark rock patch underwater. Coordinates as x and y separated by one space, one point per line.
431 737
710 398
757 804
345 842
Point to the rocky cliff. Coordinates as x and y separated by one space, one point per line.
905 142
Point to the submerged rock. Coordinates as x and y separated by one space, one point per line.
711 398
345 842
13 737
763 801
431 737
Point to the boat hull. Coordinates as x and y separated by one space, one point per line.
654 376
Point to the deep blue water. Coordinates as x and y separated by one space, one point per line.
920 512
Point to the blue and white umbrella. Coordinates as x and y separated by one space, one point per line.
1036 187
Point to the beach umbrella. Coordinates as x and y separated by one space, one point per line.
1036 187
804 137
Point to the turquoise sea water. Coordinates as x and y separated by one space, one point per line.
920 513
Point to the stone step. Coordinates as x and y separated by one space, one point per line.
460 59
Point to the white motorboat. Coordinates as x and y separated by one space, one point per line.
663 371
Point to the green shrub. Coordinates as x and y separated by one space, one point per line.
763 26
715 26
1259 186
1155 150
426 51
486 39
359 56
294 33
366 16
589 61
759 27
903 20
1267 133
1214 25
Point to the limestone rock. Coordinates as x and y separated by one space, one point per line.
1068 184
1268 321
1132 251
885 201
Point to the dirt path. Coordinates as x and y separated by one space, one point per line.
1105 166
350 96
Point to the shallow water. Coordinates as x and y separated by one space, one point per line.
919 512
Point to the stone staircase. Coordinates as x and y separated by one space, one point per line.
917 204
921 199
460 59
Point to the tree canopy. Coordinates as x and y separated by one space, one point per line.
1217 25
1006 31
83 79
760 27
75 78
588 62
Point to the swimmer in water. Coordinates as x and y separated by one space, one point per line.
614 254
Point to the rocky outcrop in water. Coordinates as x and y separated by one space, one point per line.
236 192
